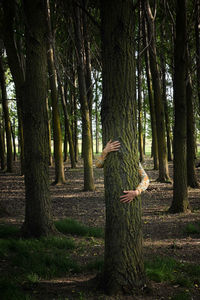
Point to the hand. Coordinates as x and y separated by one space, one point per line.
111 146
129 196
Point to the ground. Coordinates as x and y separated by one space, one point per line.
163 232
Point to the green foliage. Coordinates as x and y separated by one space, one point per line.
168 269
192 228
70 226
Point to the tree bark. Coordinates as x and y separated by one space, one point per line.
38 220
86 130
57 134
123 266
2 147
159 107
180 194
9 167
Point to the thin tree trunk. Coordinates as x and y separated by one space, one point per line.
191 170
13 139
57 135
139 90
197 39
6 117
164 95
2 148
123 265
49 132
87 139
38 220
151 101
180 194
159 107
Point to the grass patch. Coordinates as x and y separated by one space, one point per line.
182 296
9 231
168 269
70 226
192 228
11 290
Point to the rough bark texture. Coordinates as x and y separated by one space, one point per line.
86 130
180 195
57 134
159 107
124 271
38 220
6 117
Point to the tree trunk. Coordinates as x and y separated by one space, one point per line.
2 147
13 140
16 64
6 117
86 130
159 107
123 268
68 126
38 221
197 38
49 132
180 195
57 135
151 100
164 95
139 90
191 170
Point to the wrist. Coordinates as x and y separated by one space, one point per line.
138 192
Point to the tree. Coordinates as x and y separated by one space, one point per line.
156 82
6 116
87 138
180 196
57 134
38 219
123 269
15 56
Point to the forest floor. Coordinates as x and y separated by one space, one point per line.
164 234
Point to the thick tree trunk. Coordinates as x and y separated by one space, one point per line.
159 107
9 167
151 100
123 269
180 195
86 130
38 221
57 134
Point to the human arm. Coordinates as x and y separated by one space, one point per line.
143 185
110 147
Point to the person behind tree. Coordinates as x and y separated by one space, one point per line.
144 183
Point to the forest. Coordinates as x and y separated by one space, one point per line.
75 74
